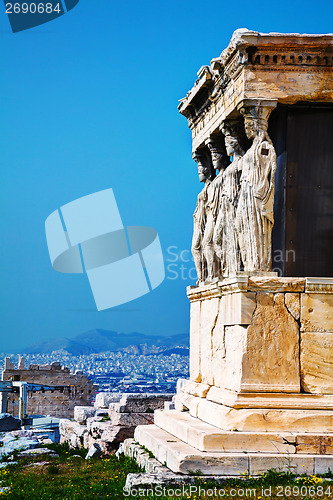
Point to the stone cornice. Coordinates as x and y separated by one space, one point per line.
264 283
257 65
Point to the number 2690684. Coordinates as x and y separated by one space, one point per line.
32 8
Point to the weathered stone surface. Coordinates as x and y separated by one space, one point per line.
230 373
116 434
180 384
261 357
139 403
89 441
297 464
12 441
195 342
146 479
91 421
181 457
111 432
218 350
195 389
278 400
319 285
81 413
317 312
313 444
317 362
264 419
271 362
102 412
158 474
72 433
237 308
184 401
208 319
323 464
179 404
144 459
97 428
293 304
131 419
263 284
9 423
103 399
206 437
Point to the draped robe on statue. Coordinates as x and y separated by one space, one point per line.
254 216
225 237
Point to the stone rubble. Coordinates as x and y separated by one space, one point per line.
111 420
25 441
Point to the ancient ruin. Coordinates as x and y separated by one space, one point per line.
260 393
111 420
44 390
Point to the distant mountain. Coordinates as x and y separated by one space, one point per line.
99 340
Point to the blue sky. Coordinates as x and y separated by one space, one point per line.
89 102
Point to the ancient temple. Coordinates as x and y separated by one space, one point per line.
260 393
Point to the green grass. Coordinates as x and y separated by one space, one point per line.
72 478
67 477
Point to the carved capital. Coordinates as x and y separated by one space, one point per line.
256 113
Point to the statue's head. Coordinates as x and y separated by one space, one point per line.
255 120
218 154
205 170
231 130
202 173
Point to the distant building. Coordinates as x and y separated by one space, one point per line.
72 389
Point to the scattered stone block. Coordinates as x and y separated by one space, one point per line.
9 423
72 433
125 412
139 403
81 413
103 399
38 451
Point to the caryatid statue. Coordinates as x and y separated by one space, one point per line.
225 236
254 217
206 175
219 161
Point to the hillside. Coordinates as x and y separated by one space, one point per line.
99 340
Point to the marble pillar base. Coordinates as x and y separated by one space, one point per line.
181 457
260 393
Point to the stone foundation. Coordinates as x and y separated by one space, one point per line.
263 334
261 373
